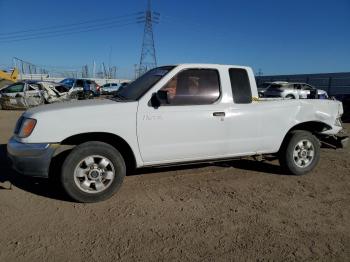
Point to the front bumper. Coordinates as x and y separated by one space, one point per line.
343 141
31 159
336 141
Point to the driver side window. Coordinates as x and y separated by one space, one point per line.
79 83
297 86
193 87
33 87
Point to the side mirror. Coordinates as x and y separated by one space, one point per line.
159 98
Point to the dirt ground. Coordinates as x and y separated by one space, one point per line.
232 211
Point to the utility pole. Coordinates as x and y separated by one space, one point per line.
135 71
148 53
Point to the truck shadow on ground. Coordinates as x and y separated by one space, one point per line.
51 188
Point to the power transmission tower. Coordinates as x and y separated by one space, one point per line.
148 54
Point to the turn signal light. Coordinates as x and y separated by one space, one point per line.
27 127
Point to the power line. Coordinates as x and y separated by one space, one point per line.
71 24
40 36
66 30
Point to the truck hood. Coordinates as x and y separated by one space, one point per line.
58 121
69 106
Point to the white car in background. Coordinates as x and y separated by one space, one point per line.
294 91
110 88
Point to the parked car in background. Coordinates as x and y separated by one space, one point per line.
82 88
26 94
294 91
262 88
109 88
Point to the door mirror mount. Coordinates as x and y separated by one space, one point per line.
159 98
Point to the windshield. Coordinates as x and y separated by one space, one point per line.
141 85
68 82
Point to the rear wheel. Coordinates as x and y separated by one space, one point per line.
92 172
300 153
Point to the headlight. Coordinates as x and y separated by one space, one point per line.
25 127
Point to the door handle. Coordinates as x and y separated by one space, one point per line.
219 114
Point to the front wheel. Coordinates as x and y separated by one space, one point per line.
300 153
92 172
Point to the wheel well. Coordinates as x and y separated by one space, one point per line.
313 127
111 139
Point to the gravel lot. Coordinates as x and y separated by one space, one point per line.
237 210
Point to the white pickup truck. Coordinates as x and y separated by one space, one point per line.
171 115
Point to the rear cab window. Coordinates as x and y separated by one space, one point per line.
240 85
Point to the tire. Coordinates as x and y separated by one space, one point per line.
290 96
92 172
80 95
74 96
300 153
89 95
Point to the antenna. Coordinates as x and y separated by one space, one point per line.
148 54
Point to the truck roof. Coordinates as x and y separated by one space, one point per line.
208 65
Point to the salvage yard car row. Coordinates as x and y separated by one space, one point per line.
30 93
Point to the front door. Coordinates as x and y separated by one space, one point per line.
190 126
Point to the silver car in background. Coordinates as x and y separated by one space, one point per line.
294 91
110 88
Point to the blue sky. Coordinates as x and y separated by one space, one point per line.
278 37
